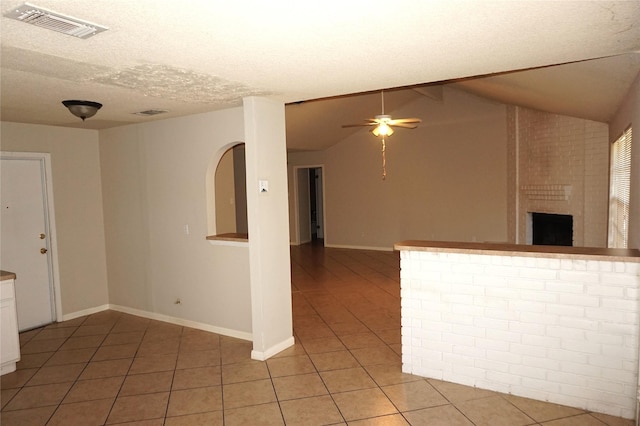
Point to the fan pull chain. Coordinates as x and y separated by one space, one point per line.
384 160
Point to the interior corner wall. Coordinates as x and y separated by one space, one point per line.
628 114
77 195
446 180
556 151
155 220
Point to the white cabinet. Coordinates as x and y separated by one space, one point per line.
10 345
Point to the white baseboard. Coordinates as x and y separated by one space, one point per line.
85 312
184 322
160 317
358 247
264 355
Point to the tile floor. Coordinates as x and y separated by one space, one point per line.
114 368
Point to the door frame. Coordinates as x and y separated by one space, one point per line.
44 159
296 203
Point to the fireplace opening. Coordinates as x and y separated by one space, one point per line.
552 229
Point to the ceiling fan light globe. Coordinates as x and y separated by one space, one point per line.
383 129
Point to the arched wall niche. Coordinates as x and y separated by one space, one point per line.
226 192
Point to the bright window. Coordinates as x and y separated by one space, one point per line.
620 180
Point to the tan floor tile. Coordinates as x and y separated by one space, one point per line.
579 420
414 395
82 413
123 338
56 374
111 368
38 346
153 364
237 395
326 344
265 414
138 384
244 372
73 356
17 379
198 340
82 342
362 404
6 395
160 347
76 322
212 418
38 396
390 337
86 390
26 336
347 380
613 421
192 401
149 422
319 410
361 340
444 415
28 417
390 374
493 411
55 333
541 411
334 360
197 377
105 353
92 330
295 350
300 386
139 407
130 325
33 360
289 366
392 420
234 350
377 355
199 359
457 393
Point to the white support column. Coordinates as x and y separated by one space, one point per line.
268 222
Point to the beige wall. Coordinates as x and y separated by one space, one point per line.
77 194
446 180
629 115
154 180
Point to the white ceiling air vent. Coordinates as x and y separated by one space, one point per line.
44 18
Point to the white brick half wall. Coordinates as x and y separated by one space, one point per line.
556 329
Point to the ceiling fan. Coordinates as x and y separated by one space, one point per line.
383 126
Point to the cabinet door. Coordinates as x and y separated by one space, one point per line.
10 348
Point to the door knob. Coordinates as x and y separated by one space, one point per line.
42 236
43 250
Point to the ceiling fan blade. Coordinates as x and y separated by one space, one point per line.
404 120
405 125
371 123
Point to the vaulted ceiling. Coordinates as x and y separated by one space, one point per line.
193 56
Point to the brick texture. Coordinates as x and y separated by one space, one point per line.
562 330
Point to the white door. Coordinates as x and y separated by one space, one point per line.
24 235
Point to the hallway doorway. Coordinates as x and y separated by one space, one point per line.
309 206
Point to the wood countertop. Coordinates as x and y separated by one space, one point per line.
502 249
6 275
229 237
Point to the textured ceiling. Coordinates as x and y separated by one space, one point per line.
200 55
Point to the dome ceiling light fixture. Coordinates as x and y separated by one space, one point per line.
82 109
